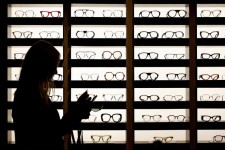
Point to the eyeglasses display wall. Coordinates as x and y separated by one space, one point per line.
97 55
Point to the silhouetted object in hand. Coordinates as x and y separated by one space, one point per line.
38 125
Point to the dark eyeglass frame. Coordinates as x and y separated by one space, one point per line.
207 118
209 76
112 54
148 75
150 13
177 11
84 12
85 34
101 137
50 13
148 33
22 34
58 76
111 117
176 75
170 138
20 54
114 75
209 34
213 55
146 97
218 141
148 54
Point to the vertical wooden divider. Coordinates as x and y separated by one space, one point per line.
193 73
130 75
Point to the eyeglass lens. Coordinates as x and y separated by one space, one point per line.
85 34
174 76
146 34
208 77
147 13
146 55
105 117
208 56
176 13
173 118
149 97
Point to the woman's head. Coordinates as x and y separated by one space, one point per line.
39 65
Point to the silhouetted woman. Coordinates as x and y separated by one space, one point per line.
37 122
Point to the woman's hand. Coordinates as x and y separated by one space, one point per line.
84 105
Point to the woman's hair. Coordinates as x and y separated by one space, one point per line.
38 68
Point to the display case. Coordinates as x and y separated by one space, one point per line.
156 66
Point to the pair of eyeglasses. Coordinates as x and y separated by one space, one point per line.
25 34
205 34
50 13
85 34
146 55
207 97
173 118
208 77
154 34
19 55
85 76
101 138
84 13
49 34
116 117
85 55
148 118
207 118
109 55
218 138
176 76
210 56
148 76
118 76
111 34
149 97
113 97
155 13
112 13
163 139
28 13
174 56
57 77
56 98
173 98
173 34
210 13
